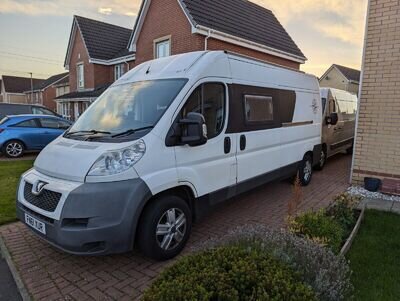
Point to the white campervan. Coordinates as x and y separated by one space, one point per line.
339 110
167 141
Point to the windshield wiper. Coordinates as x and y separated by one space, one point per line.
131 131
83 133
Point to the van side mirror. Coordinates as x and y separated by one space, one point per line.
194 129
332 119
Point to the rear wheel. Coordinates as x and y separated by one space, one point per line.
322 160
305 170
349 151
164 228
13 149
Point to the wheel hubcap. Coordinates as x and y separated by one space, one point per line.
322 160
14 149
171 229
307 171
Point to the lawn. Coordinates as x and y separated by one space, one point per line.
375 257
10 171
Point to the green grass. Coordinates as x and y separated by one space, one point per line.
10 171
375 257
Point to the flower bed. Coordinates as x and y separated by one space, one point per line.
334 227
244 264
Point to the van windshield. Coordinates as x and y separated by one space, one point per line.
128 107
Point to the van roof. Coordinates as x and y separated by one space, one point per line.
200 64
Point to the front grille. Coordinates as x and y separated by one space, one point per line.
47 200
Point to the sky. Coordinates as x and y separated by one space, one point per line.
34 33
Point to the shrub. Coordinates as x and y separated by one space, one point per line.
342 210
235 272
328 275
318 227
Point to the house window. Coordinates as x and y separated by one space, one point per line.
119 70
162 48
80 76
259 108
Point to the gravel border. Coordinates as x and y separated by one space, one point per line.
360 191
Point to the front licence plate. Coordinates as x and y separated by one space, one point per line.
35 224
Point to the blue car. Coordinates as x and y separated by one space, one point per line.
29 132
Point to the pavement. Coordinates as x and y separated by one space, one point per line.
27 156
8 288
49 274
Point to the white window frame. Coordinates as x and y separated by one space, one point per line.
164 41
119 70
80 75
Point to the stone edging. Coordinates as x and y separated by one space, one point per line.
20 284
346 247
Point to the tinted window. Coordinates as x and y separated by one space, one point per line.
258 108
4 120
27 124
130 106
41 111
209 100
53 123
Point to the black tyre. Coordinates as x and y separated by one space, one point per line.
305 170
164 228
13 149
322 160
349 151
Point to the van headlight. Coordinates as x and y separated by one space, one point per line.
118 161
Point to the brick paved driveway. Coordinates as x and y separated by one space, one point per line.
51 275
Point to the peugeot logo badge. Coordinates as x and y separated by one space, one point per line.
37 187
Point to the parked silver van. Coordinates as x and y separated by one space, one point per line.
339 109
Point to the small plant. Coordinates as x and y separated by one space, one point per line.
234 272
318 227
328 275
342 210
296 199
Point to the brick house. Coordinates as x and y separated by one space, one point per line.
13 87
377 149
234 25
44 93
342 78
99 53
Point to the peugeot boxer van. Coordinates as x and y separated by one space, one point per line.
339 123
166 142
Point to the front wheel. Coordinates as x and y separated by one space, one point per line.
13 149
164 228
305 170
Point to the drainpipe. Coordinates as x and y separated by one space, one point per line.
360 90
206 40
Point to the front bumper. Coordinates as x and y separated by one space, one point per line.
90 218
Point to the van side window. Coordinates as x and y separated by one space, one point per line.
209 100
332 106
258 108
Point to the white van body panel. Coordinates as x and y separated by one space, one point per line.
112 205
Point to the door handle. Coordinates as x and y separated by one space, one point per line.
227 145
242 142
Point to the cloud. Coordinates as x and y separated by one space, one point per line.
70 7
105 10
347 25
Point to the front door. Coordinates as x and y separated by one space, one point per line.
210 168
